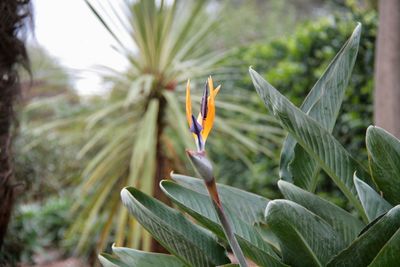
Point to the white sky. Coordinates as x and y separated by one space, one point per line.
69 31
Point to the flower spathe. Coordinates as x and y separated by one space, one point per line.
202 126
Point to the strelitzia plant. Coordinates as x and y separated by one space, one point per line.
301 230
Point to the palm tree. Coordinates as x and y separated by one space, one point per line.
13 15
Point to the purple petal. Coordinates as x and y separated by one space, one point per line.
196 129
196 126
204 104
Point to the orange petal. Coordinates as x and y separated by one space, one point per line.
209 121
216 91
210 84
188 104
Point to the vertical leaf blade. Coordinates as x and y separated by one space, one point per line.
316 140
322 104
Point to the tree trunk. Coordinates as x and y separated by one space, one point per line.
163 168
387 68
6 188
12 54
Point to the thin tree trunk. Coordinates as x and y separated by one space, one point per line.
12 54
387 68
163 168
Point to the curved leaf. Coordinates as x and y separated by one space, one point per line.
108 260
305 238
317 141
322 104
341 221
389 254
375 244
247 206
131 257
374 205
199 206
172 230
384 157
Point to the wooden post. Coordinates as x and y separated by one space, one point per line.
387 68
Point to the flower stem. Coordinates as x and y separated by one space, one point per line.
226 224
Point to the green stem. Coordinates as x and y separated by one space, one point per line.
226 224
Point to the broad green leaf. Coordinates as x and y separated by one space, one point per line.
375 244
172 230
305 238
384 157
132 257
200 207
317 141
374 205
345 224
247 206
322 104
109 261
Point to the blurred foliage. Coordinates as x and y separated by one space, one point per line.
45 165
294 63
36 228
247 21
47 77
44 162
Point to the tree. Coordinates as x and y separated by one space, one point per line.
13 16
387 62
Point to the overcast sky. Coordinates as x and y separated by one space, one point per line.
70 32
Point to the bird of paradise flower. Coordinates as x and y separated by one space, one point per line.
201 128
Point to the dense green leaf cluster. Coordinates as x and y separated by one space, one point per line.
293 64
303 229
